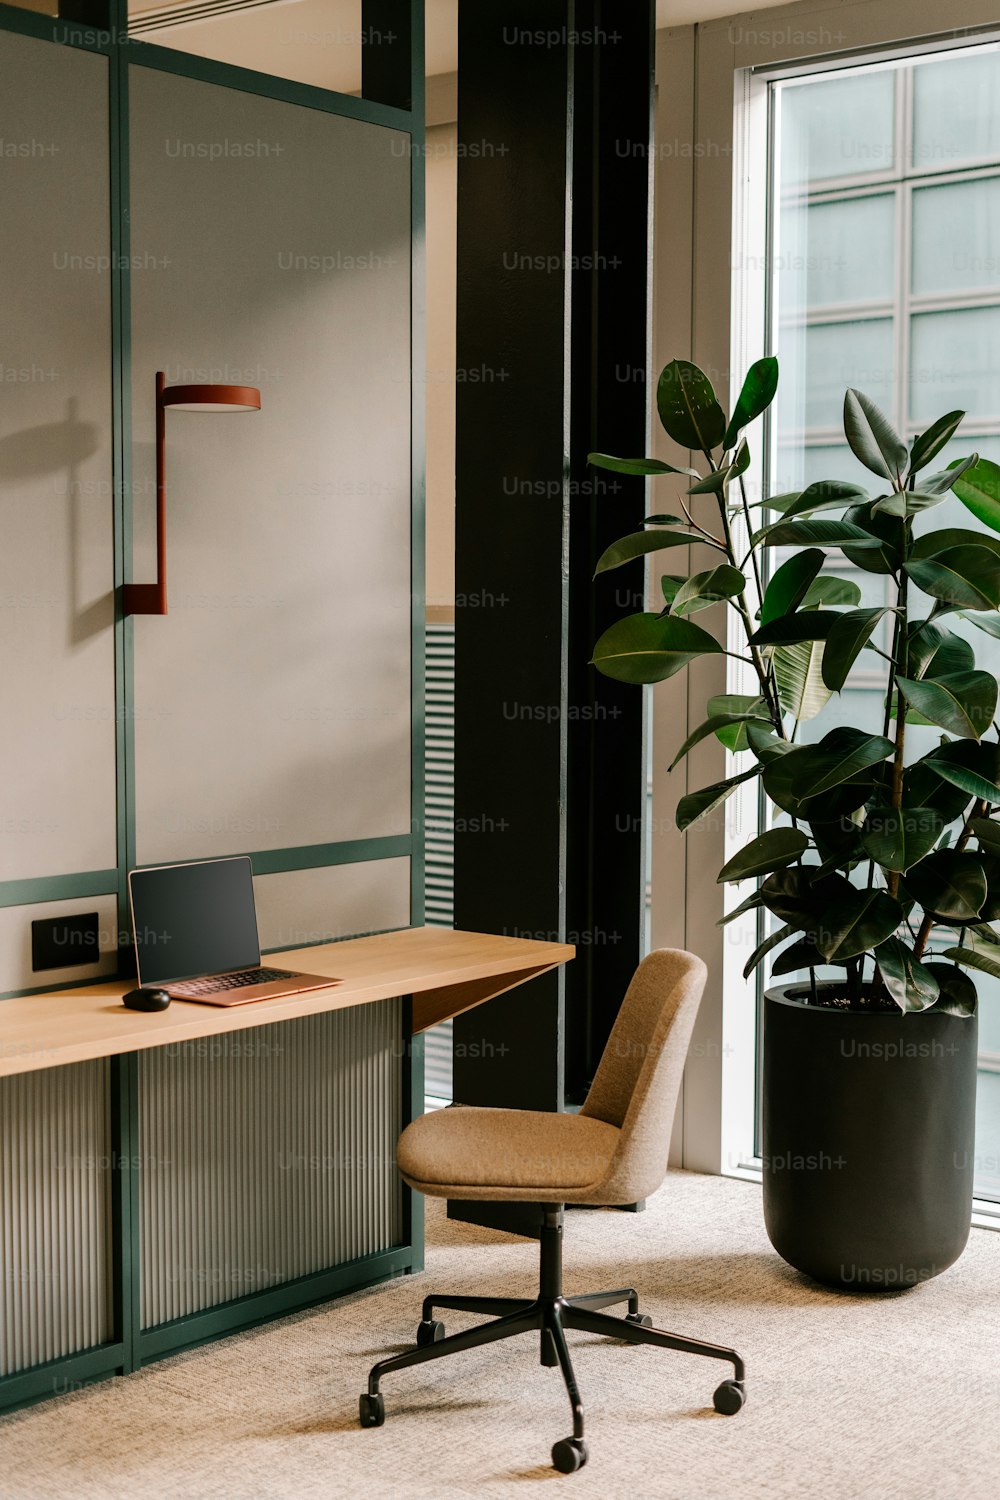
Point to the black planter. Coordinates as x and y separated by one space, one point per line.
869 1139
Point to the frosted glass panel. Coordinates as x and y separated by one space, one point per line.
273 702
956 110
956 236
837 252
819 362
837 128
57 747
953 363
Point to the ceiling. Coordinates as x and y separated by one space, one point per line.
318 41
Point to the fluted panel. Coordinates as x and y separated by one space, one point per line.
268 1154
55 1214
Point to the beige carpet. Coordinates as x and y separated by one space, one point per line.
850 1397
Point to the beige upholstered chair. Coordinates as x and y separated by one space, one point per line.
613 1152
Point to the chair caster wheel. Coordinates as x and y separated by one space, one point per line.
569 1455
729 1397
642 1319
371 1410
429 1331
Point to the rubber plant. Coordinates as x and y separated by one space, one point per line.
882 863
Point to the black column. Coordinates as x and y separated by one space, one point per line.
553 275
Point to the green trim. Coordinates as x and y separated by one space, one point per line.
246 81
56 29
57 1376
418 524
318 856
58 887
273 1302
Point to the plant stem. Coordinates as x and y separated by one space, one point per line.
900 648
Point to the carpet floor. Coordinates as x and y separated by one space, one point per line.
850 1397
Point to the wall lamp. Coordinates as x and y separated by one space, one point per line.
151 598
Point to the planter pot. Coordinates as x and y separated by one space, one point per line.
868 1138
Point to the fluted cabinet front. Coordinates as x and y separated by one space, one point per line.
267 1154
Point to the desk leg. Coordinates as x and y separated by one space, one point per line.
413 1106
125 1246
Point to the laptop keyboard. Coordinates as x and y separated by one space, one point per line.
220 982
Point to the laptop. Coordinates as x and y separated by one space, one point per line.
195 932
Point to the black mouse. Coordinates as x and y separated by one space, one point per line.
146 999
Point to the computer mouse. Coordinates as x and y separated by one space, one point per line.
146 999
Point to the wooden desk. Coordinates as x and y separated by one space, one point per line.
445 972
168 1178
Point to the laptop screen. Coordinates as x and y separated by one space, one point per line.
192 920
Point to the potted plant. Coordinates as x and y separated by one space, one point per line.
881 865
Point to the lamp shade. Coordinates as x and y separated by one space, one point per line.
211 397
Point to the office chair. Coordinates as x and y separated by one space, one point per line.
613 1152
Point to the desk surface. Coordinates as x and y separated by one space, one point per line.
446 972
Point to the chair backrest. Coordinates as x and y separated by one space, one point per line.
639 1076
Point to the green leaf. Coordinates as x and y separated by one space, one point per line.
975 958
922 787
798 676
936 652
765 947
845 642
858 922
805 625
979 491
907 502
967 781
796 895
649 648
750 904
897 838
716 482
952 536
830 591
963 703
772 850
688 409
811 771
734 735
958 992
945 479
638 544
965 577
888 534
711 726
759 387
988 623
635 465
665 521
789 583
949 886
872 437
708 588
824 533
911 985
826 494
699 804
765 744
800 955
987 832
930 443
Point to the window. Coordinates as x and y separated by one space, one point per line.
884 227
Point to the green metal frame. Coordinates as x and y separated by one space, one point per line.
130 1345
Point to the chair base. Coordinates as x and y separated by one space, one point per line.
550 1314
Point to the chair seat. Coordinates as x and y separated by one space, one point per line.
514 1154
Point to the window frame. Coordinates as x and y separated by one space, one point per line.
711 220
